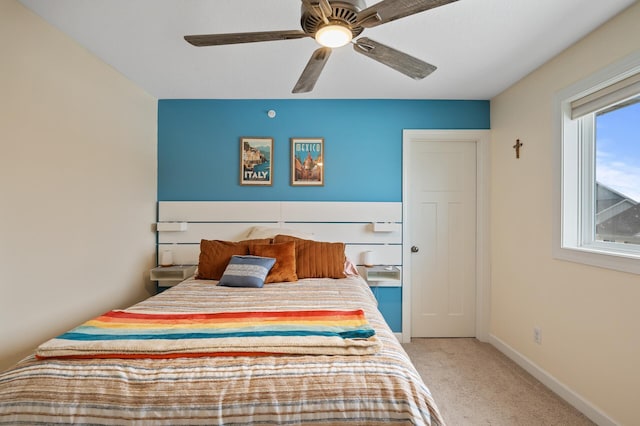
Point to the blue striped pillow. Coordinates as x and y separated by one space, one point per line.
246 271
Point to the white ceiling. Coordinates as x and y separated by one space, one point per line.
480 47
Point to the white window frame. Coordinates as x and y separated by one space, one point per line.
574 231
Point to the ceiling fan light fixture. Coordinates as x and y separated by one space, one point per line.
333 35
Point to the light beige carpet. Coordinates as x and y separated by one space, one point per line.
474 384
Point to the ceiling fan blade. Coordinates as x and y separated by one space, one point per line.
312 71
399 61
236 38
390 10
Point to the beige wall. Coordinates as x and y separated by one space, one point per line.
78 166
589 317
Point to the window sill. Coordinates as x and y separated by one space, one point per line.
600 258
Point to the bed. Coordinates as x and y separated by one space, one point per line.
281 389
321 352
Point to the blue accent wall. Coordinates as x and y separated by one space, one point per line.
199 145
199 150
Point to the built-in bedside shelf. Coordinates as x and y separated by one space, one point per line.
381 275
167 276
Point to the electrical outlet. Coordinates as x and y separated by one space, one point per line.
537 335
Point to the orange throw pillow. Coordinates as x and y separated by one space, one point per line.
317 259
284 269
216 254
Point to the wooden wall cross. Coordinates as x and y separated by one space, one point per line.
517 147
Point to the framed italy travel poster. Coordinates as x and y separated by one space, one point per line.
256 161
307 161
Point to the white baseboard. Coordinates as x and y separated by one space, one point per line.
585 407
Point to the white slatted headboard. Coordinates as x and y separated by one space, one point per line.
348 222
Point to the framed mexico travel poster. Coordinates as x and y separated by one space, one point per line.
307 161
256 161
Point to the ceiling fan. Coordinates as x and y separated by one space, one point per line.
335 24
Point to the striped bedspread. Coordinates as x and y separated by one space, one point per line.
376 389
130 334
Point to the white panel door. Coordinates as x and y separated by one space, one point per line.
443 238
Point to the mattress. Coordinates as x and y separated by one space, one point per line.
379 388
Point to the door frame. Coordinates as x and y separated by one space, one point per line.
483 267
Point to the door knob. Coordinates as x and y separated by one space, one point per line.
414 249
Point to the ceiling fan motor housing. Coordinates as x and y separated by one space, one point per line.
343 11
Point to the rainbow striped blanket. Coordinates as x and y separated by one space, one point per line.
129 334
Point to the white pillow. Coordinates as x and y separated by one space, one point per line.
259 232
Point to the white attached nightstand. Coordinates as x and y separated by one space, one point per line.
168 276
381 275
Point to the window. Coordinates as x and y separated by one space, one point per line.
617 173
598 179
